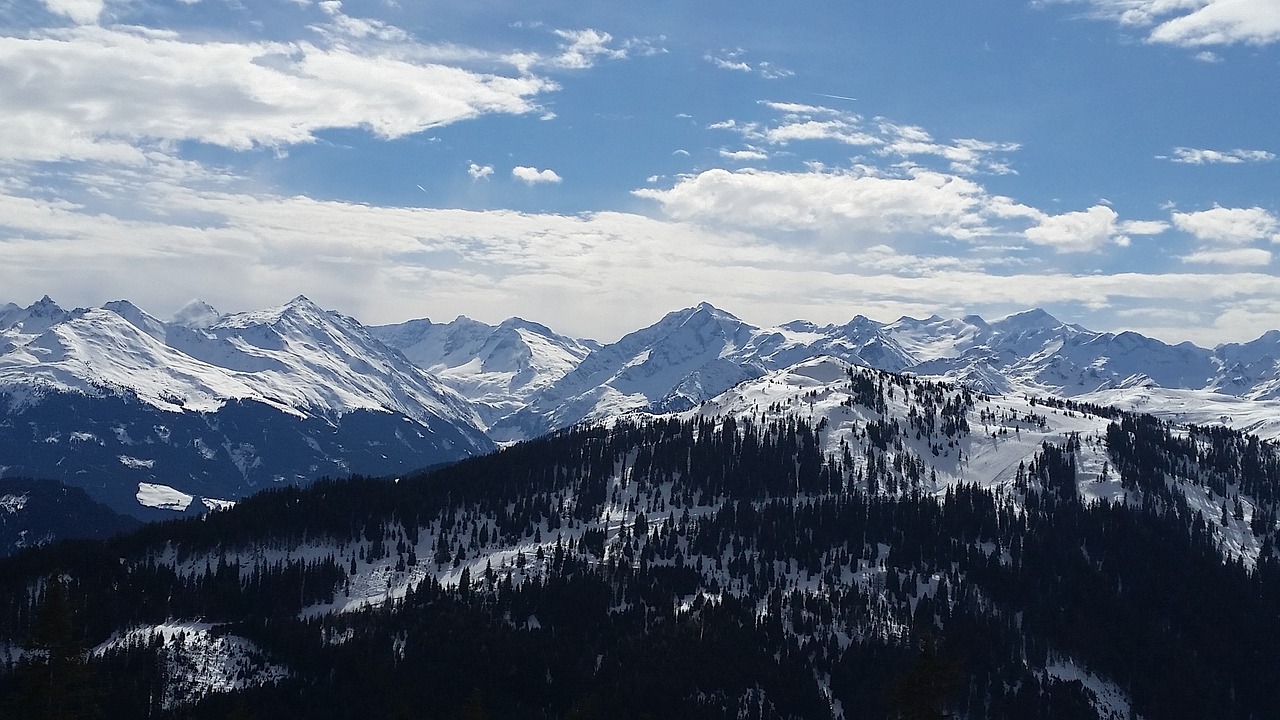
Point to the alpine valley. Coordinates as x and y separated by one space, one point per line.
1018 518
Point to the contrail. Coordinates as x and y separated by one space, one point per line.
837 97
422 188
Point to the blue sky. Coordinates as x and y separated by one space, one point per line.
594 165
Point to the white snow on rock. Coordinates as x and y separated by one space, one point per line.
13 503
297 358
1109 700
496 367
217 503
163 497
196 314
136 463
199 660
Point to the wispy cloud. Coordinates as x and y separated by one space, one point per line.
1236 257
581 49
803 122
747 154
342 25
1195 156
735 60
728 60
966 155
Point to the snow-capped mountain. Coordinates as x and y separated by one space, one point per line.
827 508
1035 351
687 357
694 354
297 358
1251 369
496 367
217 408
125 381
678 361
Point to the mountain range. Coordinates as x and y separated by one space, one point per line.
825 540
153 416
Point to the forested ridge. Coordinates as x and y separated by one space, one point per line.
690 566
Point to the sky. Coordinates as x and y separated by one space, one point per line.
594 165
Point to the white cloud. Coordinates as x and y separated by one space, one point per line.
746 155
1230 225
799 109
769 71
533 176
966 155
578 50
1208 57
1197 23
838 130
733 60
728 60
1078 231
1221 22
582 48
1239 257
343 25
479 172
103 91
1143 227
809 123
83 12
1194 156
210 236
924 201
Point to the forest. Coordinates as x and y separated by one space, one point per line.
720 567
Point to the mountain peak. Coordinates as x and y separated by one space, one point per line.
122 307
196 314
301 301
521 323
706 308
44 307
1035 319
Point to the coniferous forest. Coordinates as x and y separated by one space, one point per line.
718 567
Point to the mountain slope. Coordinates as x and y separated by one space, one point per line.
107 398
823 541
496 367
685 358
40 512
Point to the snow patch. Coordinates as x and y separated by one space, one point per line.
218 504
1109 700
163 497
13 503
136 463
200 660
